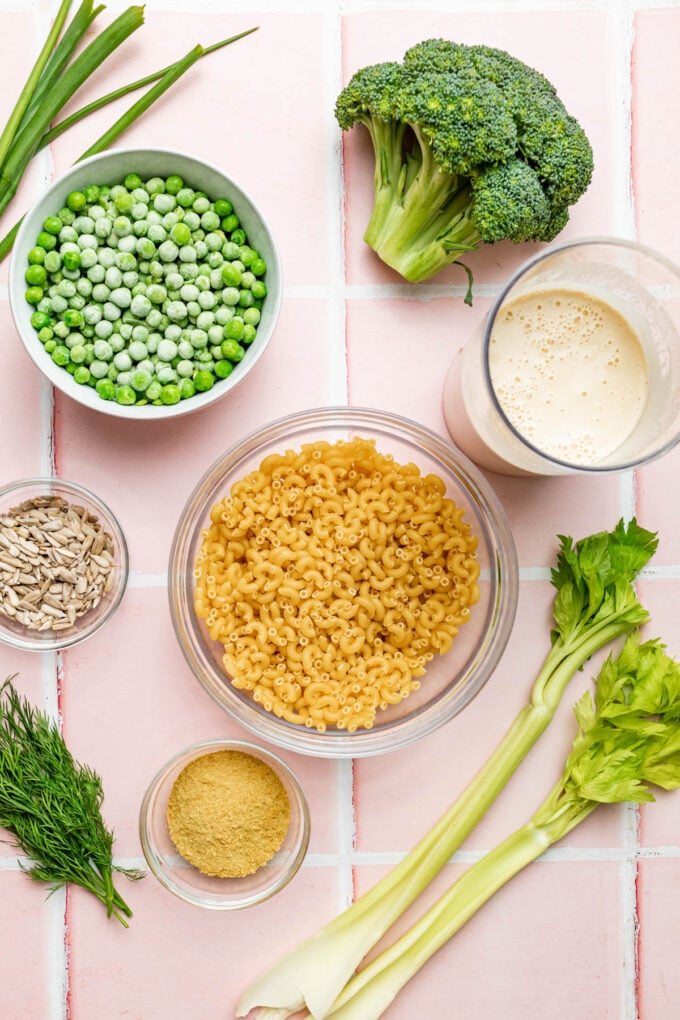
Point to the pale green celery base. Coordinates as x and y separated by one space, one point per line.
315 973
371 991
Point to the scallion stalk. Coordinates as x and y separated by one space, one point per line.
124 90
27 140
22 103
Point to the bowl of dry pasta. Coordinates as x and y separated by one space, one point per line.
343 582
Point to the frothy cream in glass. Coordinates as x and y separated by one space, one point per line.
569 372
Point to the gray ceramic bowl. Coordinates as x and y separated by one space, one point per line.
111 168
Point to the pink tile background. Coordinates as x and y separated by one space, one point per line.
560 942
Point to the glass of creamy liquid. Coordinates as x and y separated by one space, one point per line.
577 366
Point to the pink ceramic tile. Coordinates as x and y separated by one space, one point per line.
656 148
159 708
23 969
254 108
20 456
658 491
658 905
547 946
401 795
660 822
177 960
147 471
399 352
546 40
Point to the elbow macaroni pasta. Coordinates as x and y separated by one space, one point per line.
332 576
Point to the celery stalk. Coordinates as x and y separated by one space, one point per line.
630 737
595 604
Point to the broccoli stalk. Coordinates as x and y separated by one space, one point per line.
471 146
421 219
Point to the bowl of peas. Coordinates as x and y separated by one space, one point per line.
145 283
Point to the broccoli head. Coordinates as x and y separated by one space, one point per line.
471 146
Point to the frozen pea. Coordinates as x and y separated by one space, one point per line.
251 316
173 281
137 350
213 243
141 194
223 315
166 374
193 309
168 251
125 395
124 378
205 319
216 279
210 220
122 361
59 304
133 283
96 274
111 311
84 286
92 314
103 329
185 369
103 350
122 226
120 296
167 350
98 369
185 349
114 277
230 296
200 205
199 339
103 226
176 310
157 233
152 343
139 211
126 261
140 306
117 342
77 302
189 292
88 259
164 203
215 334
125 330
106 257
207 300
216 351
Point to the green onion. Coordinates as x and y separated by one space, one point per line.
595 604
124 90
55 79
628 737
22 103
26 142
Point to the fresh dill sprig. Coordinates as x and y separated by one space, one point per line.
51 805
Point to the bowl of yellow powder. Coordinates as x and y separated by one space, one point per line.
224 825
343 581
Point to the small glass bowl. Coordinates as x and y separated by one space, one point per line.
186 881
19 636
452 680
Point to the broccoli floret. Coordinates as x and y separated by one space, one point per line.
471 146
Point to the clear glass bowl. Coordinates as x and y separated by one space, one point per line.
19 636
186 881
451 680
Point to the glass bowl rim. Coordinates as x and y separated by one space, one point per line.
503 556
190 753
76 634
